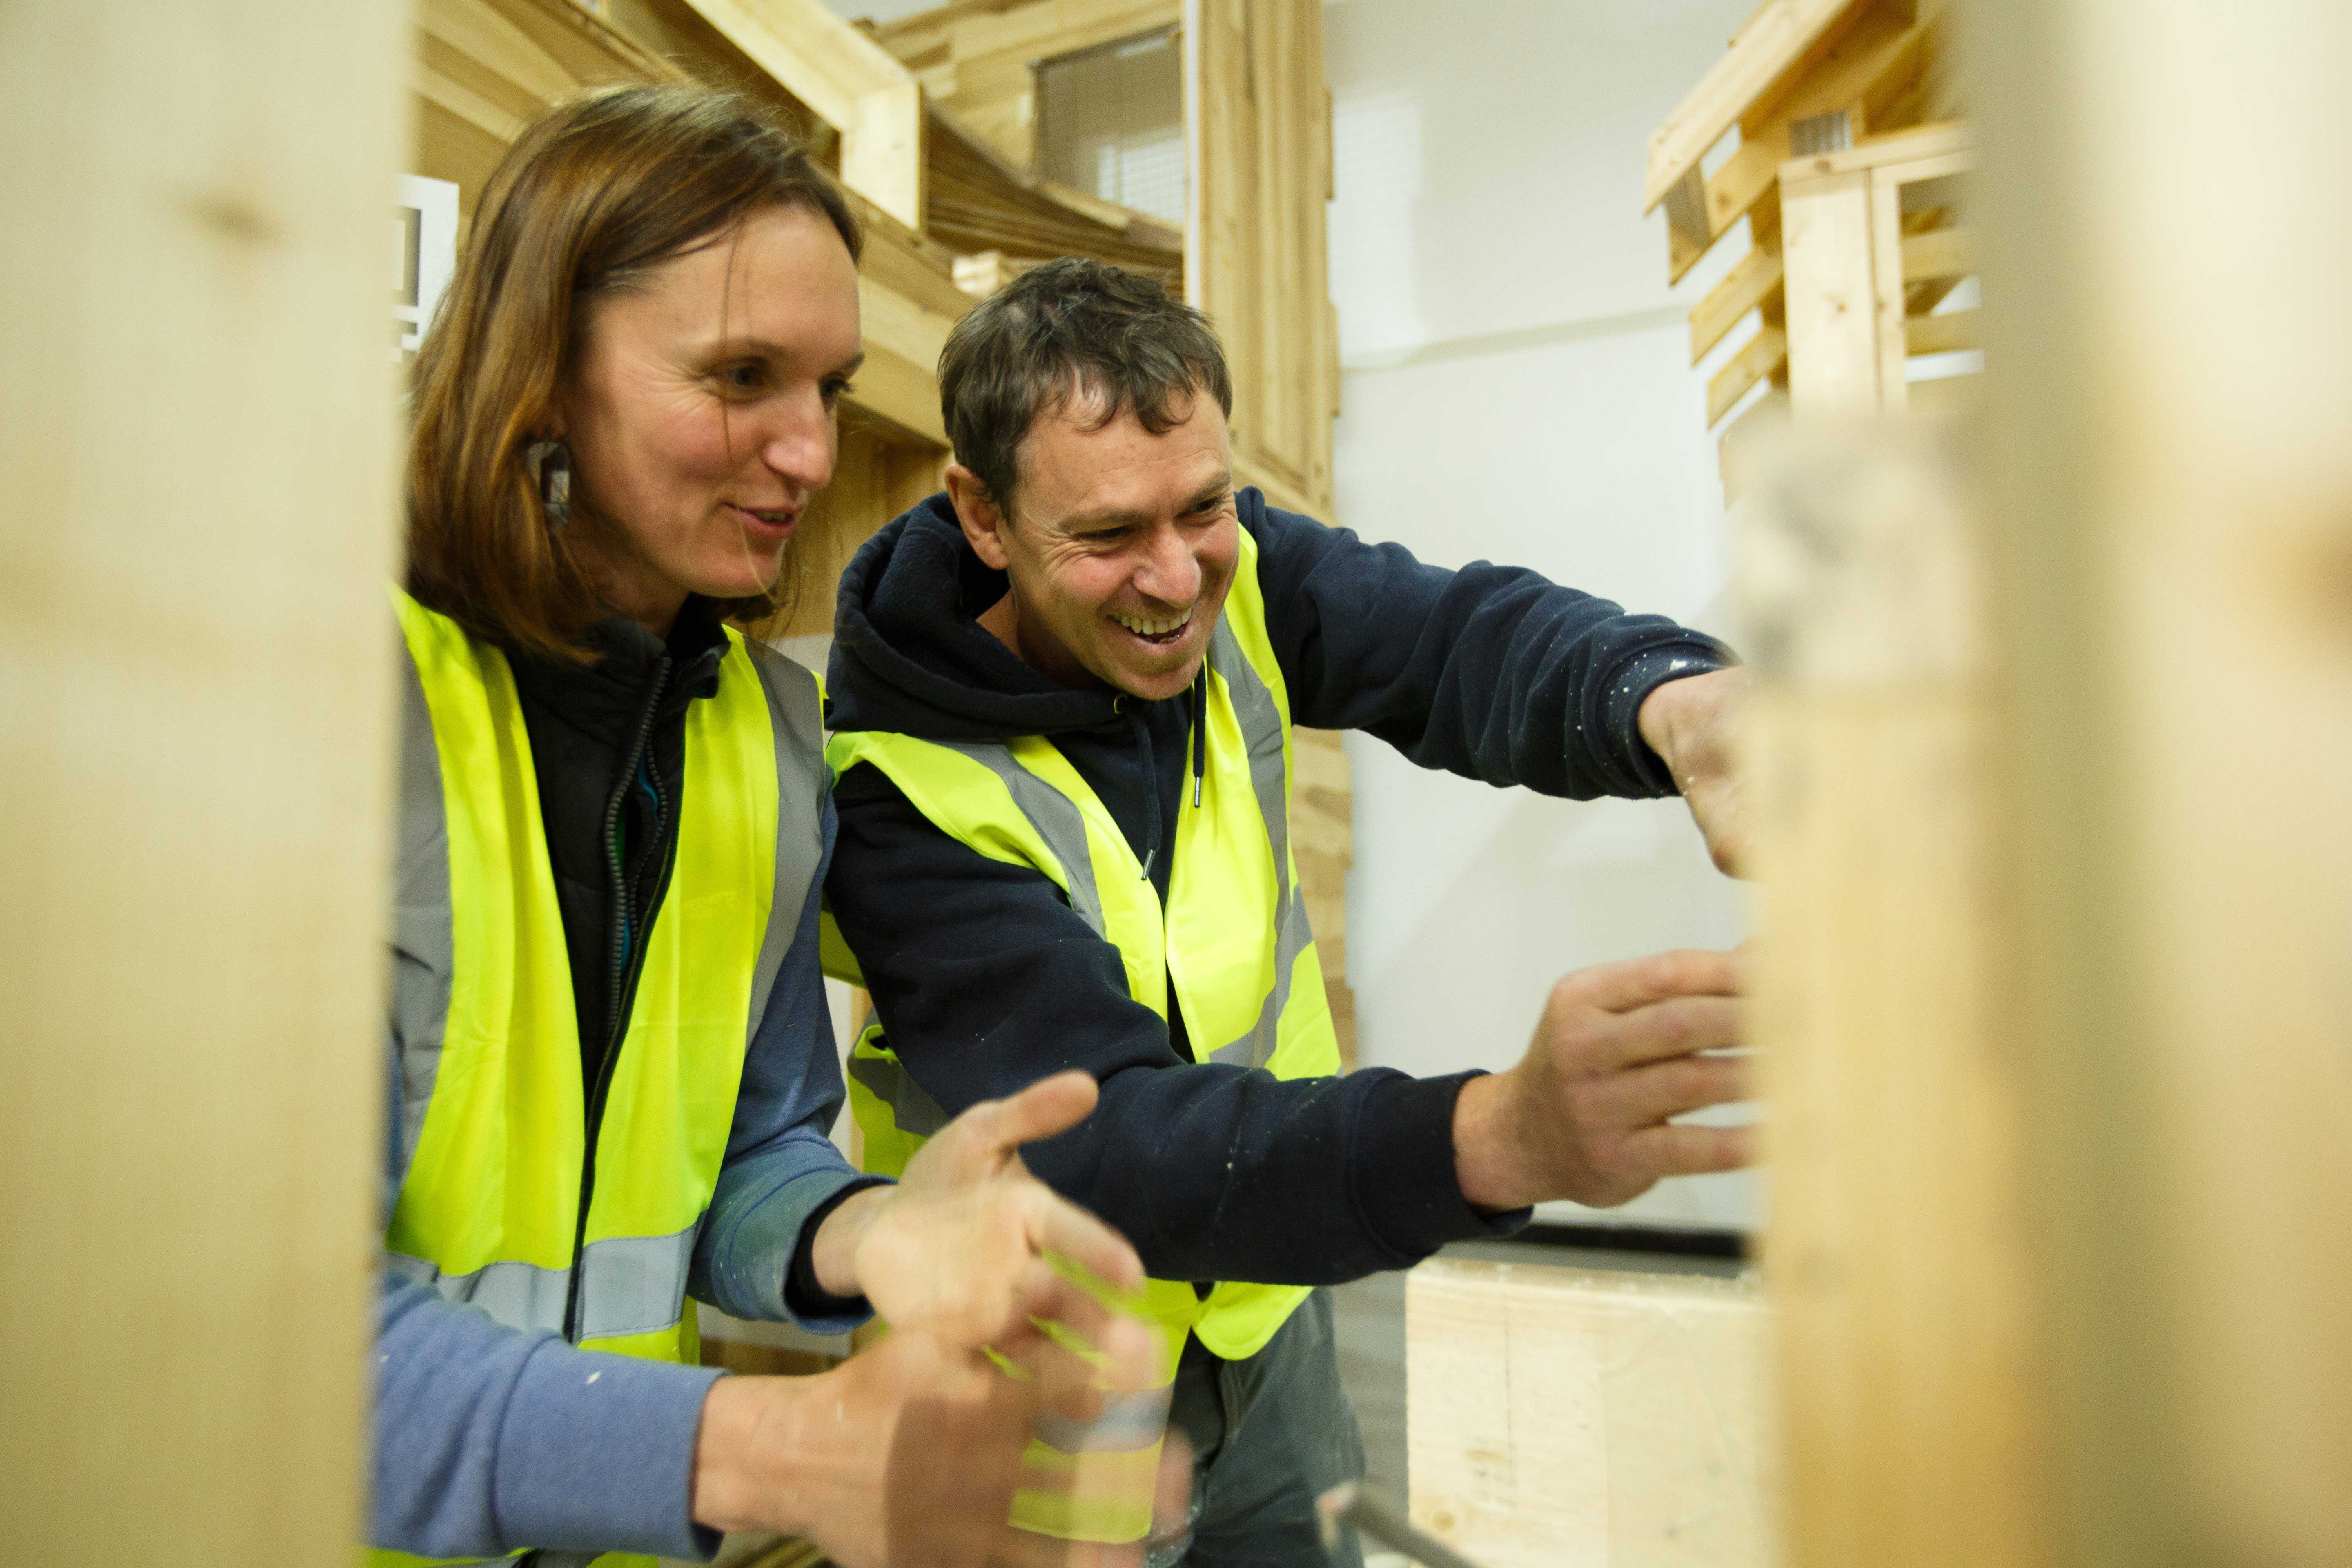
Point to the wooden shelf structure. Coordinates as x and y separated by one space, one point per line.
1833 100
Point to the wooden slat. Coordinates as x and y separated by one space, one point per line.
478 30
1938 253
1880 51
1942 334
1564 1415
1894 1109
197 697
1257 136
1773 40
1743 288
1765 355
1931 151
440 90
1828 239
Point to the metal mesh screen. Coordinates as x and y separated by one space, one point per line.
1110 123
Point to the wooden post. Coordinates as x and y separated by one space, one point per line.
1898 1271
196 434
2169 396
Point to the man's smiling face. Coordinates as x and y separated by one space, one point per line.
1120 548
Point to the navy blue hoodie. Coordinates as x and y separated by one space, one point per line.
986 979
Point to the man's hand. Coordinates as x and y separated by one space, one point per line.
905 1456
958 1248
1584 1115
1689 724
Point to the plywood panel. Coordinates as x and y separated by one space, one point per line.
195 683
1571 1418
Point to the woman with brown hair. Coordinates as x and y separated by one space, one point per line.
613 1069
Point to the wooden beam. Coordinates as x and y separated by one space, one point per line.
437 88
1895 1102
1828 239
1568 1416
198 773
1938 253
479 32
2168 429
1743 288
853 83
1942 334
1766 354
1921 153
1773 39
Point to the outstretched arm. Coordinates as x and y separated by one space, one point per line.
983 978
1495 673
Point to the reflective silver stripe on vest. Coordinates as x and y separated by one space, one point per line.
798 724
1058 822
634 1284
1261 723
1129 1422
423 939
1056 818
520 1295
911 1105
631 1285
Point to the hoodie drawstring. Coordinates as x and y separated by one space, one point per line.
1200 747
1199 729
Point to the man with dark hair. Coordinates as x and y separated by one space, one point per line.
1062 698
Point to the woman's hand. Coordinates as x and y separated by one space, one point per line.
905 1456
958 1248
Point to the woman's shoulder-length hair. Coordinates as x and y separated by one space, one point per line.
594 193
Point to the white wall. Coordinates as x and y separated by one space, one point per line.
1518 388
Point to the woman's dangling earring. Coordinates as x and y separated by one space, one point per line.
550 463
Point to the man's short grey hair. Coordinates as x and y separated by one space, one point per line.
1072 332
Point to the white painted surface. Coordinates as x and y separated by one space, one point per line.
1518 390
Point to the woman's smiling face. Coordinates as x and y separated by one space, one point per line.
701 417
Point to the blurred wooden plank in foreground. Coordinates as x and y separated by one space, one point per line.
196 434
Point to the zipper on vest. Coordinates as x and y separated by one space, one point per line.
625 957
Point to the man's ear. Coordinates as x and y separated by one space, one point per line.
984 525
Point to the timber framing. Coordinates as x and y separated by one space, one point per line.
1830 100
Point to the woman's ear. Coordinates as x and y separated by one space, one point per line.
984 526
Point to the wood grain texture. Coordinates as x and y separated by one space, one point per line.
1896 1256
1571 1418
2187 856
196 427
1773 42
976 60
1255 256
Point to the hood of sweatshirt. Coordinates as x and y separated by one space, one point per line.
909 654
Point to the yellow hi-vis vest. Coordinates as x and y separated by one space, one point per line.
493 1132
1233 939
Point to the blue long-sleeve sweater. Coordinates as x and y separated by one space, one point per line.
489 1439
